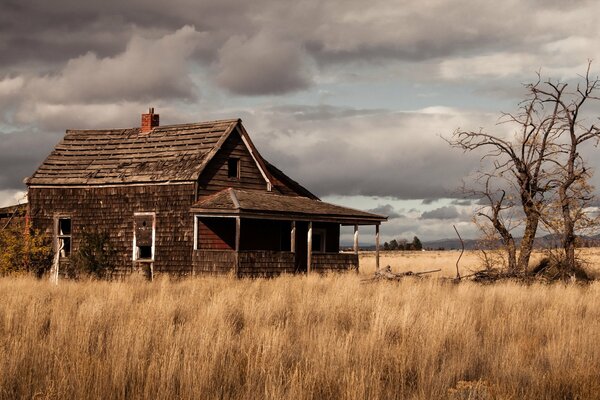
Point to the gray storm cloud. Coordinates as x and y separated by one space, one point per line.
36 32
387 210
446 212
382 153
262 65
73 64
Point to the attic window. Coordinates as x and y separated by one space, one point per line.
63 236
233 168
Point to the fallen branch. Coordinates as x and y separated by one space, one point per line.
386 273
461 252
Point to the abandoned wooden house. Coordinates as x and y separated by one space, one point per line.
186 199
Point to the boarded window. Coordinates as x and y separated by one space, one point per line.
63 236
233 168
144 236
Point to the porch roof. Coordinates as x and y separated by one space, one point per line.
256 204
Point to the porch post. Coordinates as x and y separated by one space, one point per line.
293 237
377 247
309 249
237 246
355 239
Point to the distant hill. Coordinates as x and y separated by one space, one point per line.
547 241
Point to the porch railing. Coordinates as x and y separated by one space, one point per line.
323 262
266 263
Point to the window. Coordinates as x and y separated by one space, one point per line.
233 168
63 235
143 237
318 241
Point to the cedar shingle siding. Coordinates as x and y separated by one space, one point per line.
150 187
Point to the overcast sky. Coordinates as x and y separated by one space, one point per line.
348 97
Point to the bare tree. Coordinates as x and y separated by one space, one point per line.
571 173
516 160
497 205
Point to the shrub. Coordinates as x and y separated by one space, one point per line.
95 256
21 252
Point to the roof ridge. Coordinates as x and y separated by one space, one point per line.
271 193
157 128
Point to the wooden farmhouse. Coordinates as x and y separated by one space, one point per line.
186 200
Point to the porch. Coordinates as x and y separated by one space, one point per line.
265 234
252 263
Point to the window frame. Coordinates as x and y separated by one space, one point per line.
238 168
136 250
58 236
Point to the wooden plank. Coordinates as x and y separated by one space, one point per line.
293 237
355 239
309 248
377 247
237 245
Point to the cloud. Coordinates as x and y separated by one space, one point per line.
428 201
384 153
146 70
386 210
86 53
59 117
12 197
445 212
20 153
459 202
262 64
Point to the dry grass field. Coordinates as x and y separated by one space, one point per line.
418 261
298 337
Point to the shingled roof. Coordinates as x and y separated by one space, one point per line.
261 204
167 153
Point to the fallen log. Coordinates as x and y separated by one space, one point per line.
387 273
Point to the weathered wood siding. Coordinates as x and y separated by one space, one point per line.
111 210
332 262
216 234
266 263
213 262
215 177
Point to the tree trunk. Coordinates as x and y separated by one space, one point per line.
526 247
512 256
568 239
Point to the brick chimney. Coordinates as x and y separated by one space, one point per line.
149 120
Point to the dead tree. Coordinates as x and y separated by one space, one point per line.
517 160
571 174
539 164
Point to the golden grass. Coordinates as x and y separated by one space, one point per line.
418 261
297 337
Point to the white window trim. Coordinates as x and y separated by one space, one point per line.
196 218
58 236
135 247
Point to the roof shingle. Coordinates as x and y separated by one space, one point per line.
165 154
255 203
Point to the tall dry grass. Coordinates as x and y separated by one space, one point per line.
470 261
297 338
